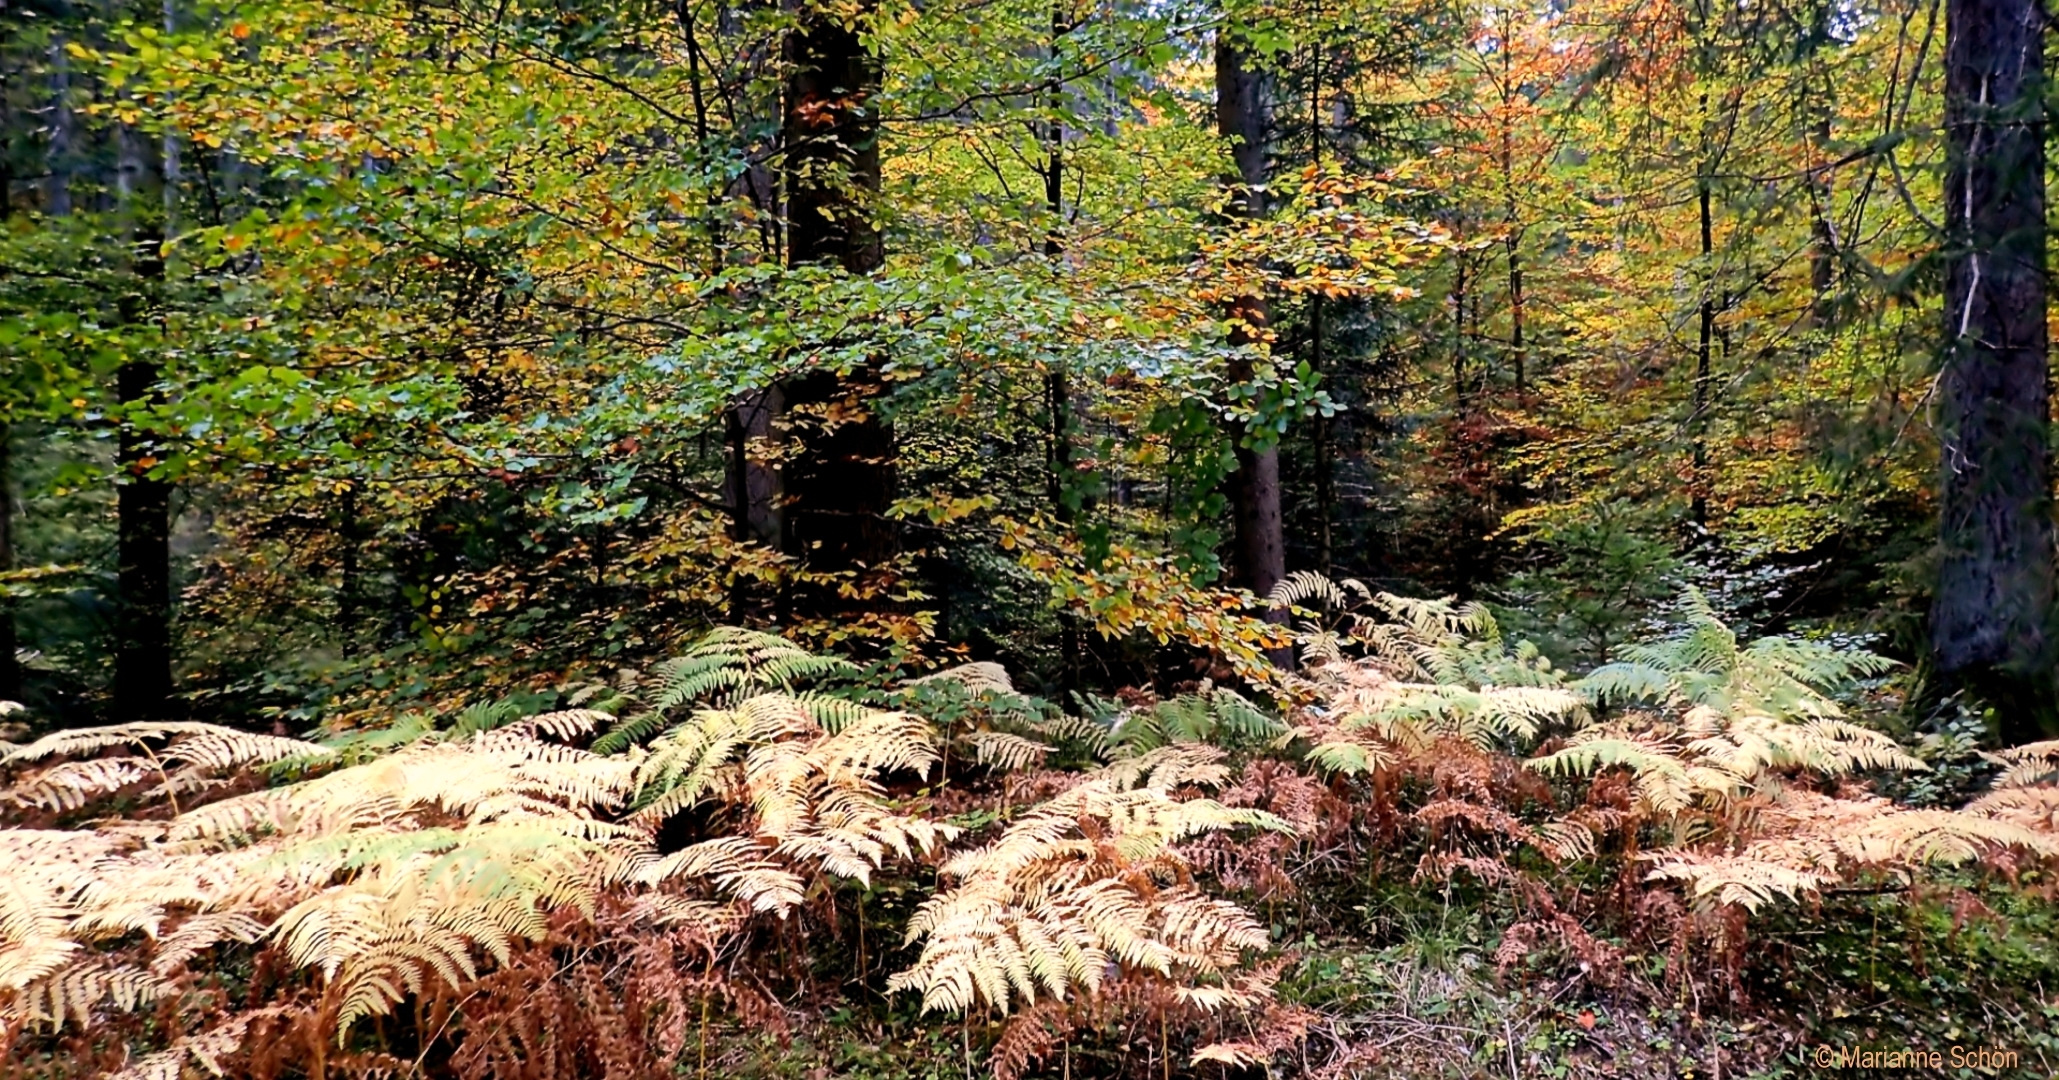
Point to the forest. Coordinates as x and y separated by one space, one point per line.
934 539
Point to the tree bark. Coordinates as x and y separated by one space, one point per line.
754 492
58 151
143 637
1990 619
142 690
1698 418
839 478
1057 379
1243 114
10 665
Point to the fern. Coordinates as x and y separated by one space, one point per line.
1703 665
726 666
1053 906
2031 763
1214 716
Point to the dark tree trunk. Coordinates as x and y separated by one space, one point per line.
10 666
1458 331
839 480
143 636
1321 445
350 588
1819 102
1512 245
754 482
1057 380
1990 620
1698 418
1243 114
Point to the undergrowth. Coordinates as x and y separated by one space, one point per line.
1438 855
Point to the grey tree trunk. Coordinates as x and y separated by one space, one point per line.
1990 618
59 151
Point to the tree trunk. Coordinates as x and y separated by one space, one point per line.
10 666
1822 231
1698 417
839 479
1990 619
1057 380
143 637
754 491
1512 241
1322 449
58 151
1242 108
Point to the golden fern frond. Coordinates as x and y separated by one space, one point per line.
73 993
566 724
1045 911
1302 586
1740 880
1162 770
830 713
976 676
1350 757
880 742
206 745
2034 808
2031 763
90 740
202 932
208 1047
737 865
1565 841
1752 745
1663 781
1065 729
1938 837
1005 751
72 785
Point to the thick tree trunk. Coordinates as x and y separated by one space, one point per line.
143 638
1990 620
839 479
1243 113
10 666
755 498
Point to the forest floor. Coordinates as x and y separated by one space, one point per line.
1404 983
